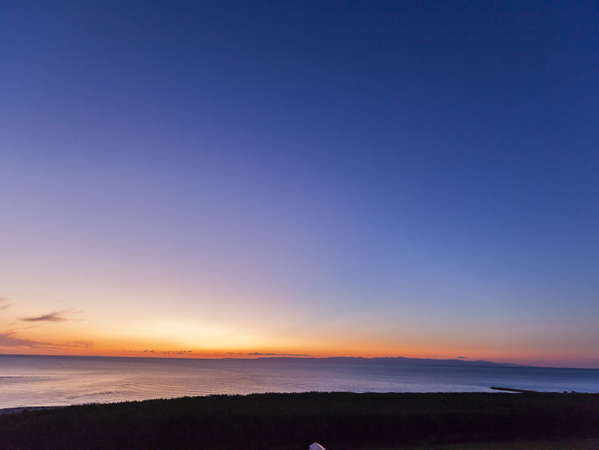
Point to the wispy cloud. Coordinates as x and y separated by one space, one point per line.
75 344
293 355
9 339
56 316
4 303
168 352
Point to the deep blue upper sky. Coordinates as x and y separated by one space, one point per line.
427 170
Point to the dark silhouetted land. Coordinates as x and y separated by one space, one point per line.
292 421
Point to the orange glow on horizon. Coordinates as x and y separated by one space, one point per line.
119 349
179 339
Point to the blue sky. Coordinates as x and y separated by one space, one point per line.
325 177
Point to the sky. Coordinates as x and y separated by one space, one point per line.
234 179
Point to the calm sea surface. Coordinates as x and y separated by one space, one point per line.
45 381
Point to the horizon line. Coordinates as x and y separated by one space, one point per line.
300 357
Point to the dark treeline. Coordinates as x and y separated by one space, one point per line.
292 421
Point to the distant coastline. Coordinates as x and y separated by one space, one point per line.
458 361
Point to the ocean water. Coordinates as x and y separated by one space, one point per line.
51 381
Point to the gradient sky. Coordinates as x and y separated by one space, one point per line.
322 178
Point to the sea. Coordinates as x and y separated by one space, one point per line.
65 380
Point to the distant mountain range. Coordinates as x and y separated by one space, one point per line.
395 360
400 360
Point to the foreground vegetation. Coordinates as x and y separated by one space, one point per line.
292 421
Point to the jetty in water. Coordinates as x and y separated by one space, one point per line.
528 391
519 391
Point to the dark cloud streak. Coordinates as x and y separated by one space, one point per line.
56 316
